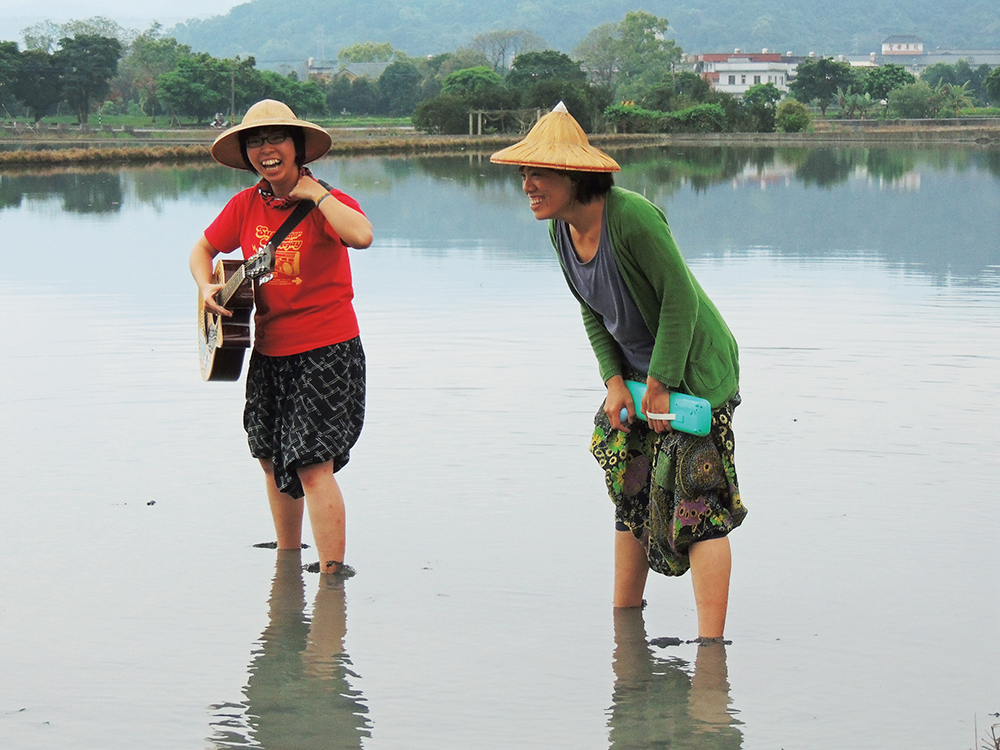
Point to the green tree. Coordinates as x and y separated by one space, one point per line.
661 98
338 94
954 98
583 102
88 62
691 85
399 88
818 80
792 116
10 68
630 57
472 82
939 74
852 104
39 84
149 57
501 48
760 102
199 87
98 26
364 96
914 101
647 56
978 82
367 52
598 53
530 67
444 114
992 85
273 85
731 106
44 35
879 82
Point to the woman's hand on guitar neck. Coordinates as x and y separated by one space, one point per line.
208 296
201 263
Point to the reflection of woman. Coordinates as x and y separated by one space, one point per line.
657 704
298 696
306 381
648 319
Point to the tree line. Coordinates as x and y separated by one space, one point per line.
623 76
890 90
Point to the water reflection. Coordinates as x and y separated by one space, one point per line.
100 190
664 169
298 696
659 703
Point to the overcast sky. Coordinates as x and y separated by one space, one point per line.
137 14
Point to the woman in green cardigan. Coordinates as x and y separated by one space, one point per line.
676 495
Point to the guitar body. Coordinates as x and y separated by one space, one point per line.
222 341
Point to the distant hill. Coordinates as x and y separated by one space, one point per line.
277 33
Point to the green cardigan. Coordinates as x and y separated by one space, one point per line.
694 350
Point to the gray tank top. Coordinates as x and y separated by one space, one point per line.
602 287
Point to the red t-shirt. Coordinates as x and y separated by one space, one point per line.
307 304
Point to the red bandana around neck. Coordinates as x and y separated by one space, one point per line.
282 204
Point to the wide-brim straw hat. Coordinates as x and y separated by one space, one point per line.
557 142
269 113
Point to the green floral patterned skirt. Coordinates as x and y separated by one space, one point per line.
671 489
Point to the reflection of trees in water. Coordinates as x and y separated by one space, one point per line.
991 162
101 190
82 192
298 696
890 165
658 703
97 193
825 167
153 184
662 171
11 194
665 169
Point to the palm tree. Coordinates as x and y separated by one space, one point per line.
955 98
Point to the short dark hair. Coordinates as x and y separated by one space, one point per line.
589 185
297 135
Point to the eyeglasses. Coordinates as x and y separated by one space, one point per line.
256 141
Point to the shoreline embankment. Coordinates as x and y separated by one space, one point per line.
28 148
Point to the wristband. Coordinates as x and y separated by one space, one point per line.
325 196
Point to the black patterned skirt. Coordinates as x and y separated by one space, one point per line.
305 409
671 489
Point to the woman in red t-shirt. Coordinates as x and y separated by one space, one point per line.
305 391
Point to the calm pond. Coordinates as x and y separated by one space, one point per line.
135 612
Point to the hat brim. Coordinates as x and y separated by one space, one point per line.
569 157
226 148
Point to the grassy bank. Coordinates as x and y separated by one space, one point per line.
36 148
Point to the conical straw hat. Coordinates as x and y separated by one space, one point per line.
269 113
557 142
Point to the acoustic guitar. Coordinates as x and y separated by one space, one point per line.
223 341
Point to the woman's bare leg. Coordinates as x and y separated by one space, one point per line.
631 569
285 510
327 514
711 564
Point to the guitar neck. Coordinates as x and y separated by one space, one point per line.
232 285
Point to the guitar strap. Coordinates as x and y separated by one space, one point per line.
301 210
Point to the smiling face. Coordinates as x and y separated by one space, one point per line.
551 194
275 162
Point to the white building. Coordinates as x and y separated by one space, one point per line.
735 73
902 44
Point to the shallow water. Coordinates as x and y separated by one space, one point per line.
864 290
